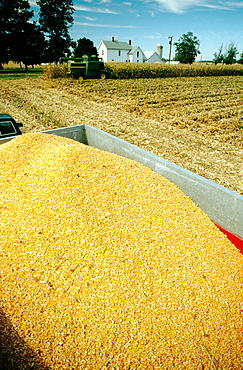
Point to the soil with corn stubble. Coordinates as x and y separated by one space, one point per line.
196 123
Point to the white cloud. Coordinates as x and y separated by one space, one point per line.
180 6
102 25
223 5
176 6
155 36
104 1
33 3
235 4
95 9
92 19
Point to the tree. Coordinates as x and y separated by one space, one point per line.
219 57
55 19
4 48
84 46
240 61
4 33
30 45
230 53
187 48
14 17
228 57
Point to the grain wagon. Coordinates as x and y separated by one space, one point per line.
223 206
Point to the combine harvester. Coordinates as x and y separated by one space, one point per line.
85 67
223 206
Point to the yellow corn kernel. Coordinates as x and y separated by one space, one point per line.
107 265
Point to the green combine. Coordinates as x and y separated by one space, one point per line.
85 67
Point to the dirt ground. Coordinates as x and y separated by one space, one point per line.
196 123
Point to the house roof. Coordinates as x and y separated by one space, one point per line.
148 54
133 49
117 45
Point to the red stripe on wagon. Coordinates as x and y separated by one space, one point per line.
236 240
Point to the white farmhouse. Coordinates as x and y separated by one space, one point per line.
137 55
119 51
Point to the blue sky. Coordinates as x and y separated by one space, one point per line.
148 22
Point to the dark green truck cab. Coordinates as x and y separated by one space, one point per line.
8 126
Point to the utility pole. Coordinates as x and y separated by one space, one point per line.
170 43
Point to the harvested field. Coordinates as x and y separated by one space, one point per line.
195 122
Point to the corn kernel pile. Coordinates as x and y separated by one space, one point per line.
107 265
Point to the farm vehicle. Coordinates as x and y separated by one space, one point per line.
85 67
8 126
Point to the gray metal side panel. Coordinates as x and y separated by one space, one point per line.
72 132
222 205
76 133
2 141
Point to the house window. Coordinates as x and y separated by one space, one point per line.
137 54
103 52
119 53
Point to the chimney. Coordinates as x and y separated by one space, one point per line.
129 42
159 50
113 39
